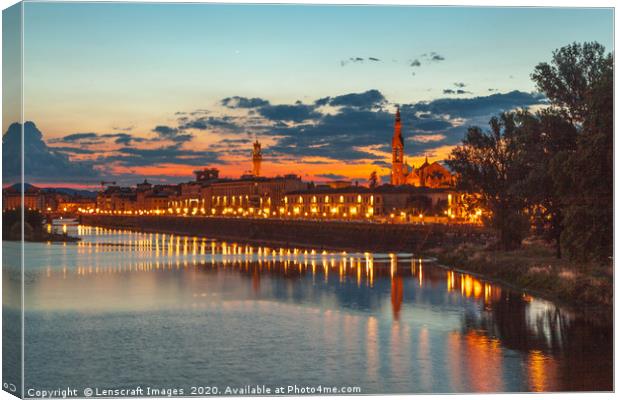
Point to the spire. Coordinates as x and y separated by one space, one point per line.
399 170
397 139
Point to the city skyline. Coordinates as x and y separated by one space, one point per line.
318 90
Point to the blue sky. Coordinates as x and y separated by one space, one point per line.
108 68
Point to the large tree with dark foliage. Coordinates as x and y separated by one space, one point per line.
487 163
573 76
540 138
555 165
580 81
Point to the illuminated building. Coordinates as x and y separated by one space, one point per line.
433 175
358 202
353 202
116 198
74 204
250 195
40 199
156 197
188 197
33 197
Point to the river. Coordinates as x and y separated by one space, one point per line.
123 309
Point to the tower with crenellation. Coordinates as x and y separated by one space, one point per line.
257 158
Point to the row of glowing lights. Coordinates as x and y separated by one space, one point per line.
266 212
251 211
353 211
178 242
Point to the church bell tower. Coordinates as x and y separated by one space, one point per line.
398 150
257 157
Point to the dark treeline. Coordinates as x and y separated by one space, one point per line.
550 171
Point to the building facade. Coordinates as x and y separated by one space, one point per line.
353 202
250 195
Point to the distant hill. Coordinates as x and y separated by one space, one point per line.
69 191
73 192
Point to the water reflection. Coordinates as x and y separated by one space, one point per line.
390 322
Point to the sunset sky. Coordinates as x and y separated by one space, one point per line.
159 90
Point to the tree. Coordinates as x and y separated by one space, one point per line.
570 79
540 138
487 163
580 80
373 180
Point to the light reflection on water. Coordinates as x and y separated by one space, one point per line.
122 308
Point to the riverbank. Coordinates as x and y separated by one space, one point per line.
535 269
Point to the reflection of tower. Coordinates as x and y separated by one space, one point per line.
397 295
257 157
256 280
398 149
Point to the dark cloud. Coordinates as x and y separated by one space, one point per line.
173 154
436 57
382 164
365 100
456 91
415 63
244 102
357 60
75 137
166 132
219 123
200 111
41 162
459 84
72 150
90 138
289 112
123 138
477 106
336 136
432 125
322 101
432 57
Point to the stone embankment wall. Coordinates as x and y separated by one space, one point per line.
361 236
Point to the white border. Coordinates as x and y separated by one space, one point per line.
479 3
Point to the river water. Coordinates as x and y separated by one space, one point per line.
122 309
